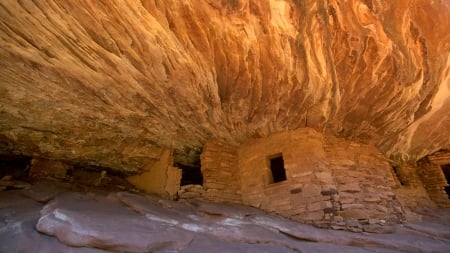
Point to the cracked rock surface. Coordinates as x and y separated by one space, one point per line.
98 221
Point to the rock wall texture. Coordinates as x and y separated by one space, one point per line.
365 182
329 181
221 173
111 83
307 174
432 175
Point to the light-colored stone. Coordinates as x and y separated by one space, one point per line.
157 179
311 190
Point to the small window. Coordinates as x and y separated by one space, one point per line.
190 175
277 169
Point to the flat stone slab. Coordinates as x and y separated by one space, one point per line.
18 217
99 222
125 222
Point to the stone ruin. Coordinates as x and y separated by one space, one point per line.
324 112
309 177
302 175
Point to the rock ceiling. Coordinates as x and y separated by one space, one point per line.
111 82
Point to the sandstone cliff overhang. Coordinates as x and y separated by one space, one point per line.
111 84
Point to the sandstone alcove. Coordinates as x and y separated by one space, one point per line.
265 119
15 167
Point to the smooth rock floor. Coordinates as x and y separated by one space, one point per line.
50 217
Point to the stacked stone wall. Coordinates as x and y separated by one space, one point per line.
330 182
221 175
434 181
364 181
299 197
410 191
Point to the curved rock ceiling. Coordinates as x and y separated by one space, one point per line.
110 82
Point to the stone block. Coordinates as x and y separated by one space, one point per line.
347 200
346 162
355 213
351 222
310 190
327 204
296 190
311 207
381 208
338 219
352 206
329 192
300 174
374 199
344 179
296 210
310 216
352 187
326 198
324 177
338 226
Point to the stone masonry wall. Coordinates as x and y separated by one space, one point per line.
330 182
221 180
364 181
410 191
434 181
299 197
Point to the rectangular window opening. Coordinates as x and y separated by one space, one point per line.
277 169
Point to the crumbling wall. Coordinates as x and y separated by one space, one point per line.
410 190
160 177
221 176
41 168
434 181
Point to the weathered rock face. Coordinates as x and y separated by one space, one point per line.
112 83
92 222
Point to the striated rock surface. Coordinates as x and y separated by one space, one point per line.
124 222
112 83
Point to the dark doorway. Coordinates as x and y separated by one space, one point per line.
190 175
446 170
15 166
277 168
398 175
